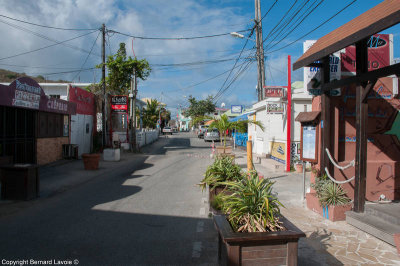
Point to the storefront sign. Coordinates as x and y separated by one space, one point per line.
312 75
278 151
84 100
26 93
273 92
275 107
119 103
308 143
236 109
379 53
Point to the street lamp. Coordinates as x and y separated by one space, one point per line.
237 35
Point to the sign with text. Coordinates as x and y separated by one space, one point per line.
119 103
85 103
308 143
278 151
274 92
275 107
312 75
236 109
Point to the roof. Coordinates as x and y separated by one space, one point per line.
375 20
307 116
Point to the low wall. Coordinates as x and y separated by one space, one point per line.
49 149
146 137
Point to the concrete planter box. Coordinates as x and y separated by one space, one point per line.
332 213
264 248
224 150
91 161
111 155
299 168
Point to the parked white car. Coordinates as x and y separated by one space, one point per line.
202 129
167 130
211 134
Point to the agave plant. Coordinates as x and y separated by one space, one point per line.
333 195
223 169
252 207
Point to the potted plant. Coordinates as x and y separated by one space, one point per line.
223 169
91 160
223 125
253 230
329 200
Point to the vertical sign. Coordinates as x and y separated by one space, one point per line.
308 143
312 75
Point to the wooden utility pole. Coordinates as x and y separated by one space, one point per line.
103 76
325 115
260 50
134 91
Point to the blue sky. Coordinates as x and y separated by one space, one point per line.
171 18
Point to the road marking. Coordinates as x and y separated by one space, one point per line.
202 211
196 250
200 227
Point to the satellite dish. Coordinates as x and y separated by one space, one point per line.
222 105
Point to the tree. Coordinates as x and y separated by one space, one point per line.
223 124
151 113
120 71
198 109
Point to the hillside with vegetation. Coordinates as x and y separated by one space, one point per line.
9 76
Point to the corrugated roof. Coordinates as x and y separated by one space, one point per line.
307 116
375 20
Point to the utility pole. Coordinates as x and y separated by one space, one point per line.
260 50
103 73
133 109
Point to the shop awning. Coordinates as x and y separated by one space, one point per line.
304 117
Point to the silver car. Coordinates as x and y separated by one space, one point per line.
211 134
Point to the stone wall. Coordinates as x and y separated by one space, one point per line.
49 149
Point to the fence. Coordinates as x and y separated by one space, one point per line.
146 137
240 138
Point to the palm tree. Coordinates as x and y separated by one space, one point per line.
151 113
223 124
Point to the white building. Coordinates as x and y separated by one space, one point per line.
272 141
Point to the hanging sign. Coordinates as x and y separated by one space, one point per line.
275 107
273 92
236 109
119 103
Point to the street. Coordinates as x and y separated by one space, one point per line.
145 212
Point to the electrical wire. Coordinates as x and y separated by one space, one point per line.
269 10
45 47
45 26
47 38
63 72
312 10
175 38
319 26
87 57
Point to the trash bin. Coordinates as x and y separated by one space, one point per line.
19 181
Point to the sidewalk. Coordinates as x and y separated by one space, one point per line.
327 243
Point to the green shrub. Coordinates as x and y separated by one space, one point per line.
252 207
329 193
223 169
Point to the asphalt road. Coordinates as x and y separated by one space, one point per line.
144 213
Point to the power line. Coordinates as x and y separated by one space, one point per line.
312 10
319 26
48 46
175 38
45 26
47 38
269 9
87 57
63 72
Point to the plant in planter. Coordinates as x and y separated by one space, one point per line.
332 199
223 169
223 125
91 160
254 231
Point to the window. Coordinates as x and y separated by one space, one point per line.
50 125
54 96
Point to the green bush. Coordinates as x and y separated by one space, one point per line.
329 193
223 169
252 207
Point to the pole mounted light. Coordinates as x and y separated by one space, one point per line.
237 35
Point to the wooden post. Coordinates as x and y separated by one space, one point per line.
361 129
249 155
325 115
